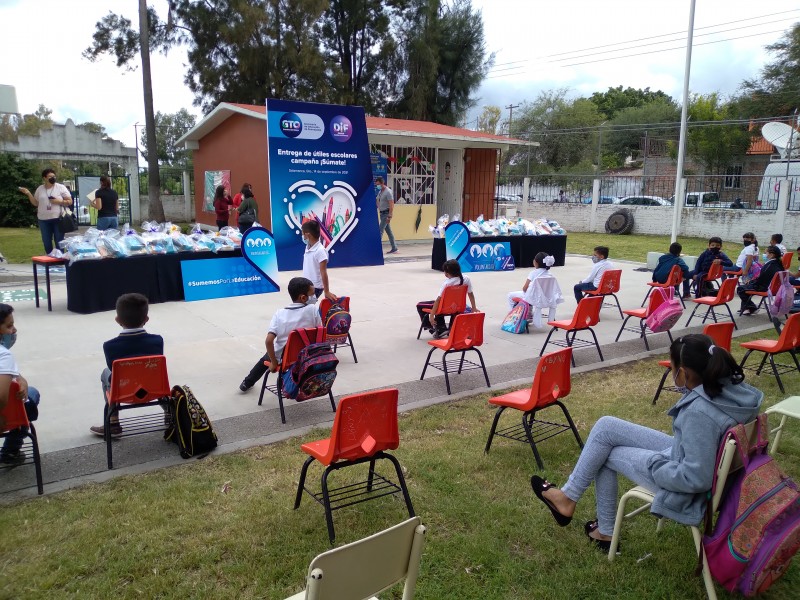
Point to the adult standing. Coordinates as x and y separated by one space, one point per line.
106 202
248 211
49 198
237 201
222 206
385 202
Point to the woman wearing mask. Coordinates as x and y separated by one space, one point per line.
248 211
222 206
49 198
106 201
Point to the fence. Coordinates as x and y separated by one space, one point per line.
171 180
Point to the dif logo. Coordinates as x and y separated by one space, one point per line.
291 125
341 129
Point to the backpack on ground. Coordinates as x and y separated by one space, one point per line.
668 312
337 322
782 302
758 529
190 428
314 371
517 320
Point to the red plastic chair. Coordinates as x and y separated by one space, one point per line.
466 334
324 307
788 341
364 427
656 300
674 280
774 285
136 383
551 382
291 350
726 293
586 316
712 277
720 333
786 259
453 302
609 286
15 417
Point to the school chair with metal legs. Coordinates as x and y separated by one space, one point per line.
16 418
466 334
609 286
586 316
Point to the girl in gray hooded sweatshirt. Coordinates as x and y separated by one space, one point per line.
678 468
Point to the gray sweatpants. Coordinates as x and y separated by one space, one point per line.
614 446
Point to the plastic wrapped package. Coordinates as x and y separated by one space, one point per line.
182 242
487 229
473 227
151 227
435 231
134 244
222 244
78 248
155 243
196 229
110 247
443 220
202 242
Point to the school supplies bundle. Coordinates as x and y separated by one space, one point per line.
190 427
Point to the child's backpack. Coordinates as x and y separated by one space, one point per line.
753 273
782 302
517 320
190 428
758 529
667 314
314 371
337 322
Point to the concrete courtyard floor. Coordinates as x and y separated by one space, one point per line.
211 345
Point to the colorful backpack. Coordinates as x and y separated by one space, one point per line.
754 272
517 320
667 314
782 302
758 529
190 426
314 371
337 322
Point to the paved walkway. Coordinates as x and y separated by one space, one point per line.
211 345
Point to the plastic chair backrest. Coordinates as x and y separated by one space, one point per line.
657 298
552 379
675 276
294 343
775 284
364 424
139 380
787 260
726 291
790 334
325 305
366 567
453 300
714 272
720 333
609 282
14 413
588 312
467 331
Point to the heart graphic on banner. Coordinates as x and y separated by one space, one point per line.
258 248
334 209
456 239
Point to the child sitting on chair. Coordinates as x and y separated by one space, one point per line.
541 266
601 265
437 327
712 255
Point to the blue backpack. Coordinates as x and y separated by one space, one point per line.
517 320
337 322
314 371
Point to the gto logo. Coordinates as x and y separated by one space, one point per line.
291 125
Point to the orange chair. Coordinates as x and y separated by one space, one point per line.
727 291
324 307
674 280
656 300
551 382
774 285
609 286
787 260
453 302
364 427
291 350
712 277
466 334
720 333
138 382
586 316
15 417
788 341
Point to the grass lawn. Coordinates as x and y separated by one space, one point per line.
224 527
18 244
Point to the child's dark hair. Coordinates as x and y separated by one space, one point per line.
602 250
675 249
777 238
298 286
247 192
311 227
453 268
774 250
132 310
5 310
711 363
219 193
538 261
715 240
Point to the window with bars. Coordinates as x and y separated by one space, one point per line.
411 172
733 177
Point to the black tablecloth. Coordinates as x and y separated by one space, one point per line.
523 248
95 285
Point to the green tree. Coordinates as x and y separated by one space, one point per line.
715 146
489 119
170 127
614 100
93 128
13 126
15 210
626 131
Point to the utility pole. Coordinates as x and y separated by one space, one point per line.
511 108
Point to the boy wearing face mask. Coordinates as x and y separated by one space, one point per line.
713 255
601 265
10 454
315 261
49 198
301 313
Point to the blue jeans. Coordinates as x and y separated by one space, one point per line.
49 230
582 287
15 438
385 225
104 223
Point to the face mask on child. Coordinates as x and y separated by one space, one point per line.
681 389
714 250
311 300
7 340
305 240
596 259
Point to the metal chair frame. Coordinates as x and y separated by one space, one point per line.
17 406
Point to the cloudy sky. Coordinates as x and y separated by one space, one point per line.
584 45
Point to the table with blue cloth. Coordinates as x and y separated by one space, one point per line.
523 248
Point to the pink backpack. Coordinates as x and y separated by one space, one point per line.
668 312
758 529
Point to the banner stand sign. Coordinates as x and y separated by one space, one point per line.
476 256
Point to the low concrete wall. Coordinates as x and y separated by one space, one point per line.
176 208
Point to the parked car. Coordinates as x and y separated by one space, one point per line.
644 201
602 200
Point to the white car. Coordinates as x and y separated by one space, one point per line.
644 201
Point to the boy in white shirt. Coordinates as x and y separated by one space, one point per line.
299 314
777 240
315 261
601 265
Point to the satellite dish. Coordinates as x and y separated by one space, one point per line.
781 135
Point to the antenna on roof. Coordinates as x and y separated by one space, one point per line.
785 138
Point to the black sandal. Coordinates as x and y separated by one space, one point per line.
603 545
540 486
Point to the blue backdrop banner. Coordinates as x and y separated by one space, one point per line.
320 169
222 278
